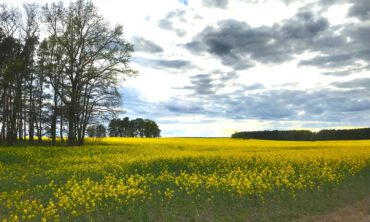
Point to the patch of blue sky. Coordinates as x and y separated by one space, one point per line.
184 2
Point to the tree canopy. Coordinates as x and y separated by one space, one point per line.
133 128
96 131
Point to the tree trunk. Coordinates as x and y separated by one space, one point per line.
54 121
12 134
61 129
2 134
40 107
20 124
71 125
61 112
31 125
39 133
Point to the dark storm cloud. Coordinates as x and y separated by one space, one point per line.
254 86
342 48
347 103
351 47
163 63
206 84
360 9
229 76
202 84
345 47
216 3
269 105
354 84
238 45
213 82
329 61
182 108
360 68
304 26
144 45
338 73
319 105
323 3
167 22
175 64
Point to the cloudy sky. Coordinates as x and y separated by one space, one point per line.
213 67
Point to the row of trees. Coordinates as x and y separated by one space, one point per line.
97 131
133 128
67 79
306 135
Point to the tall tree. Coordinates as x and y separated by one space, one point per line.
95 55
32 79
18 44
11 67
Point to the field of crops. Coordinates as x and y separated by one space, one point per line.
181 179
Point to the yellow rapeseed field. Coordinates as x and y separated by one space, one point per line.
133 179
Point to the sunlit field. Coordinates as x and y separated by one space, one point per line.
181 179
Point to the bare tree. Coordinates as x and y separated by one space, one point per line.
95 56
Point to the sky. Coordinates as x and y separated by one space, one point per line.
213 67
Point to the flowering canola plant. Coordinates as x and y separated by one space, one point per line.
83 183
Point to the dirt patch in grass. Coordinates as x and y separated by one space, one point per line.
356 212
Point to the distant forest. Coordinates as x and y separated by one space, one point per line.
306 135
133 128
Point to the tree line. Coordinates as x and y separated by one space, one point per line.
64 81
306 135
133 128
97 131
